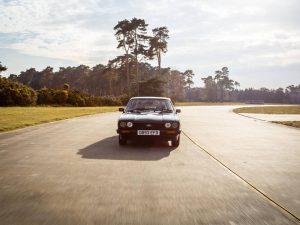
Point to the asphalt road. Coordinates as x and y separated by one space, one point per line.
74 172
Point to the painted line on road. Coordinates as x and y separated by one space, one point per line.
243 179
250 117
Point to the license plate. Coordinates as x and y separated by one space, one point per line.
148 132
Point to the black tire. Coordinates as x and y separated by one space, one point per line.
176 141
122 140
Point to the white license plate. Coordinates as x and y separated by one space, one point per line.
148 132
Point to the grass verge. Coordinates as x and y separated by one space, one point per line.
207 103
270 110
289 123
17 117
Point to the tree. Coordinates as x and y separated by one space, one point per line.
210 87
139 31
217 78
28 77
176 82
152 87
223 83
158 44
236 84
124 35
189 74
119 64
2 68
110 74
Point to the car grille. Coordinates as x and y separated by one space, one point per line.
148 126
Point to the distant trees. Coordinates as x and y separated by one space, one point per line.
271 95
126 74
131 74
132 37
293 93
158 44
219 87
139 46
189 74
152 87
107 80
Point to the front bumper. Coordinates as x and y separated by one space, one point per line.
164 134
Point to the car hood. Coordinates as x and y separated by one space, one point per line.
149 117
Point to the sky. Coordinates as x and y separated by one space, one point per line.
258 40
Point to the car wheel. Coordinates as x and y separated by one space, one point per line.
176 141
122 140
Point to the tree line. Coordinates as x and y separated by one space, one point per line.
17 94
177 85
220 87
101 81
131 74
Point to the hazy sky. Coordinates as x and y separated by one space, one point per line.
258 40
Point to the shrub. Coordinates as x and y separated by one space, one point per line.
12 93
75 98
45 96
60 97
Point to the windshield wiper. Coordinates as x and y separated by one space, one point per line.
165 110
136 110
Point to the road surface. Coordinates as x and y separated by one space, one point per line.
74 172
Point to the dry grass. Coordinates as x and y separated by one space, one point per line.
17 117
270 110
206 103
289 123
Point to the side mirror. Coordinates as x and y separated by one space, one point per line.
121 109
178 110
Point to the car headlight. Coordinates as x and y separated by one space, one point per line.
129 124
123 124
175 125
167 125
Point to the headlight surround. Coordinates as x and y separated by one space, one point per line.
129 124
175 125
122 124
167 125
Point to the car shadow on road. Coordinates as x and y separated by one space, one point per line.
109 148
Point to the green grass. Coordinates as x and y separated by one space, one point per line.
206 103
17 117
270 110
289 123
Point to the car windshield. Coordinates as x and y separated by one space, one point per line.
139 105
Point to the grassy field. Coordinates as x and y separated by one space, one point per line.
17 117
270 110
206 103
289 123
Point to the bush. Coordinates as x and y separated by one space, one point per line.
12 94
45 96
124 99
60 97
75 98
109 100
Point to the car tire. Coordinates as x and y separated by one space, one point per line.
122 140
176 141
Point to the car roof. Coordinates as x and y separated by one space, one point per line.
151 97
